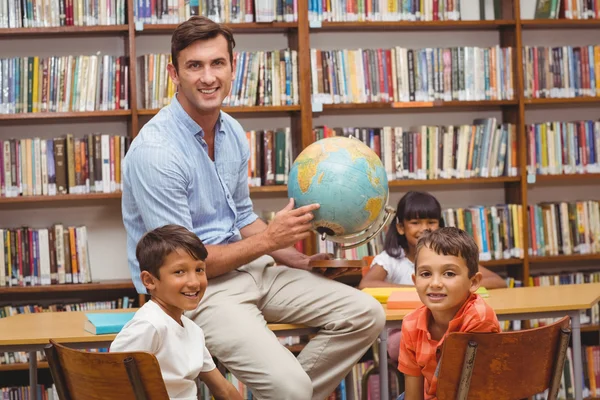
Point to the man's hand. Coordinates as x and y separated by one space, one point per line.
290 225
303 261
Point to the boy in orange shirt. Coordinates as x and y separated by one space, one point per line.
446 277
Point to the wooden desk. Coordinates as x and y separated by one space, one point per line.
31 332
521 304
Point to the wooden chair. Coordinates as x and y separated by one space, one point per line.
79 375
368 260
503 366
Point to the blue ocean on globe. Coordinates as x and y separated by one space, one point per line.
346 178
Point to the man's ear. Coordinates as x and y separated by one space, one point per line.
148 280
173 73
475 282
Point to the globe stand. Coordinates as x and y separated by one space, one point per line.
341 244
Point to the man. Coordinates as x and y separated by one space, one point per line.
188 166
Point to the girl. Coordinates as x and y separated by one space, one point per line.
416 212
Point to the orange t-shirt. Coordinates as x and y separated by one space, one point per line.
419 354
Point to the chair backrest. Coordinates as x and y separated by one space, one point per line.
368 260
80 375
506 365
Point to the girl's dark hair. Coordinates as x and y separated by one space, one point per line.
413 205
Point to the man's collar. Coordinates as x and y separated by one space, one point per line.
190 125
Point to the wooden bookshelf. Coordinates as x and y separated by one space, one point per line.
454 181
563 101
238 110
564 258
60 198
64 115
527 24
502 263
572 178
421 105
22 366
244 27
64 30
413 26
120 284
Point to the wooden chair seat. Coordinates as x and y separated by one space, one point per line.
80 375
503 366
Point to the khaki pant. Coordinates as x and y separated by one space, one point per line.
238 305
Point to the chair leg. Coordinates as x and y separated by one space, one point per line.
134 377
467 371
57 372
563 344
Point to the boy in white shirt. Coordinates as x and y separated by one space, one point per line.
172 266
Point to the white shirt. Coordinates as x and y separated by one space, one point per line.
399 270
180 350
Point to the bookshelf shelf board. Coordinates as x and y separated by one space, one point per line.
65 30
414 26
502 263
241 27
564 258
590 328
22 366
274 189
420 105
579 178
454 181
62 197
117 284
239 110
64 115
560 23
563 101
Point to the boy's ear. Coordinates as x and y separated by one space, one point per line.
475 282
148 280
413 279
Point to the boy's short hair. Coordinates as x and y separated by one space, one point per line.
451 241
156 245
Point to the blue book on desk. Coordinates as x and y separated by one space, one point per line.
104 323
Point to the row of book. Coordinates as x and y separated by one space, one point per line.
44 256
230 11
48 13
591 376
561 72
568 9
63 165
271 156
44 392
563 228
263 78
18 357
555 148
496 229
402 10
404 75
64 83
482 149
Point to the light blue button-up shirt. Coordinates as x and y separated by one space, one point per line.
168 178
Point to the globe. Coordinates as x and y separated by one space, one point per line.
346 178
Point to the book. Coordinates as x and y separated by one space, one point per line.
105 323
404 300
382 294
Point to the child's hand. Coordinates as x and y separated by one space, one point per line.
219 387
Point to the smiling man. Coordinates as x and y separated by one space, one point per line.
188 166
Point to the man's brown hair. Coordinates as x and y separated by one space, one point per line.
199 28
156 245
451 241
